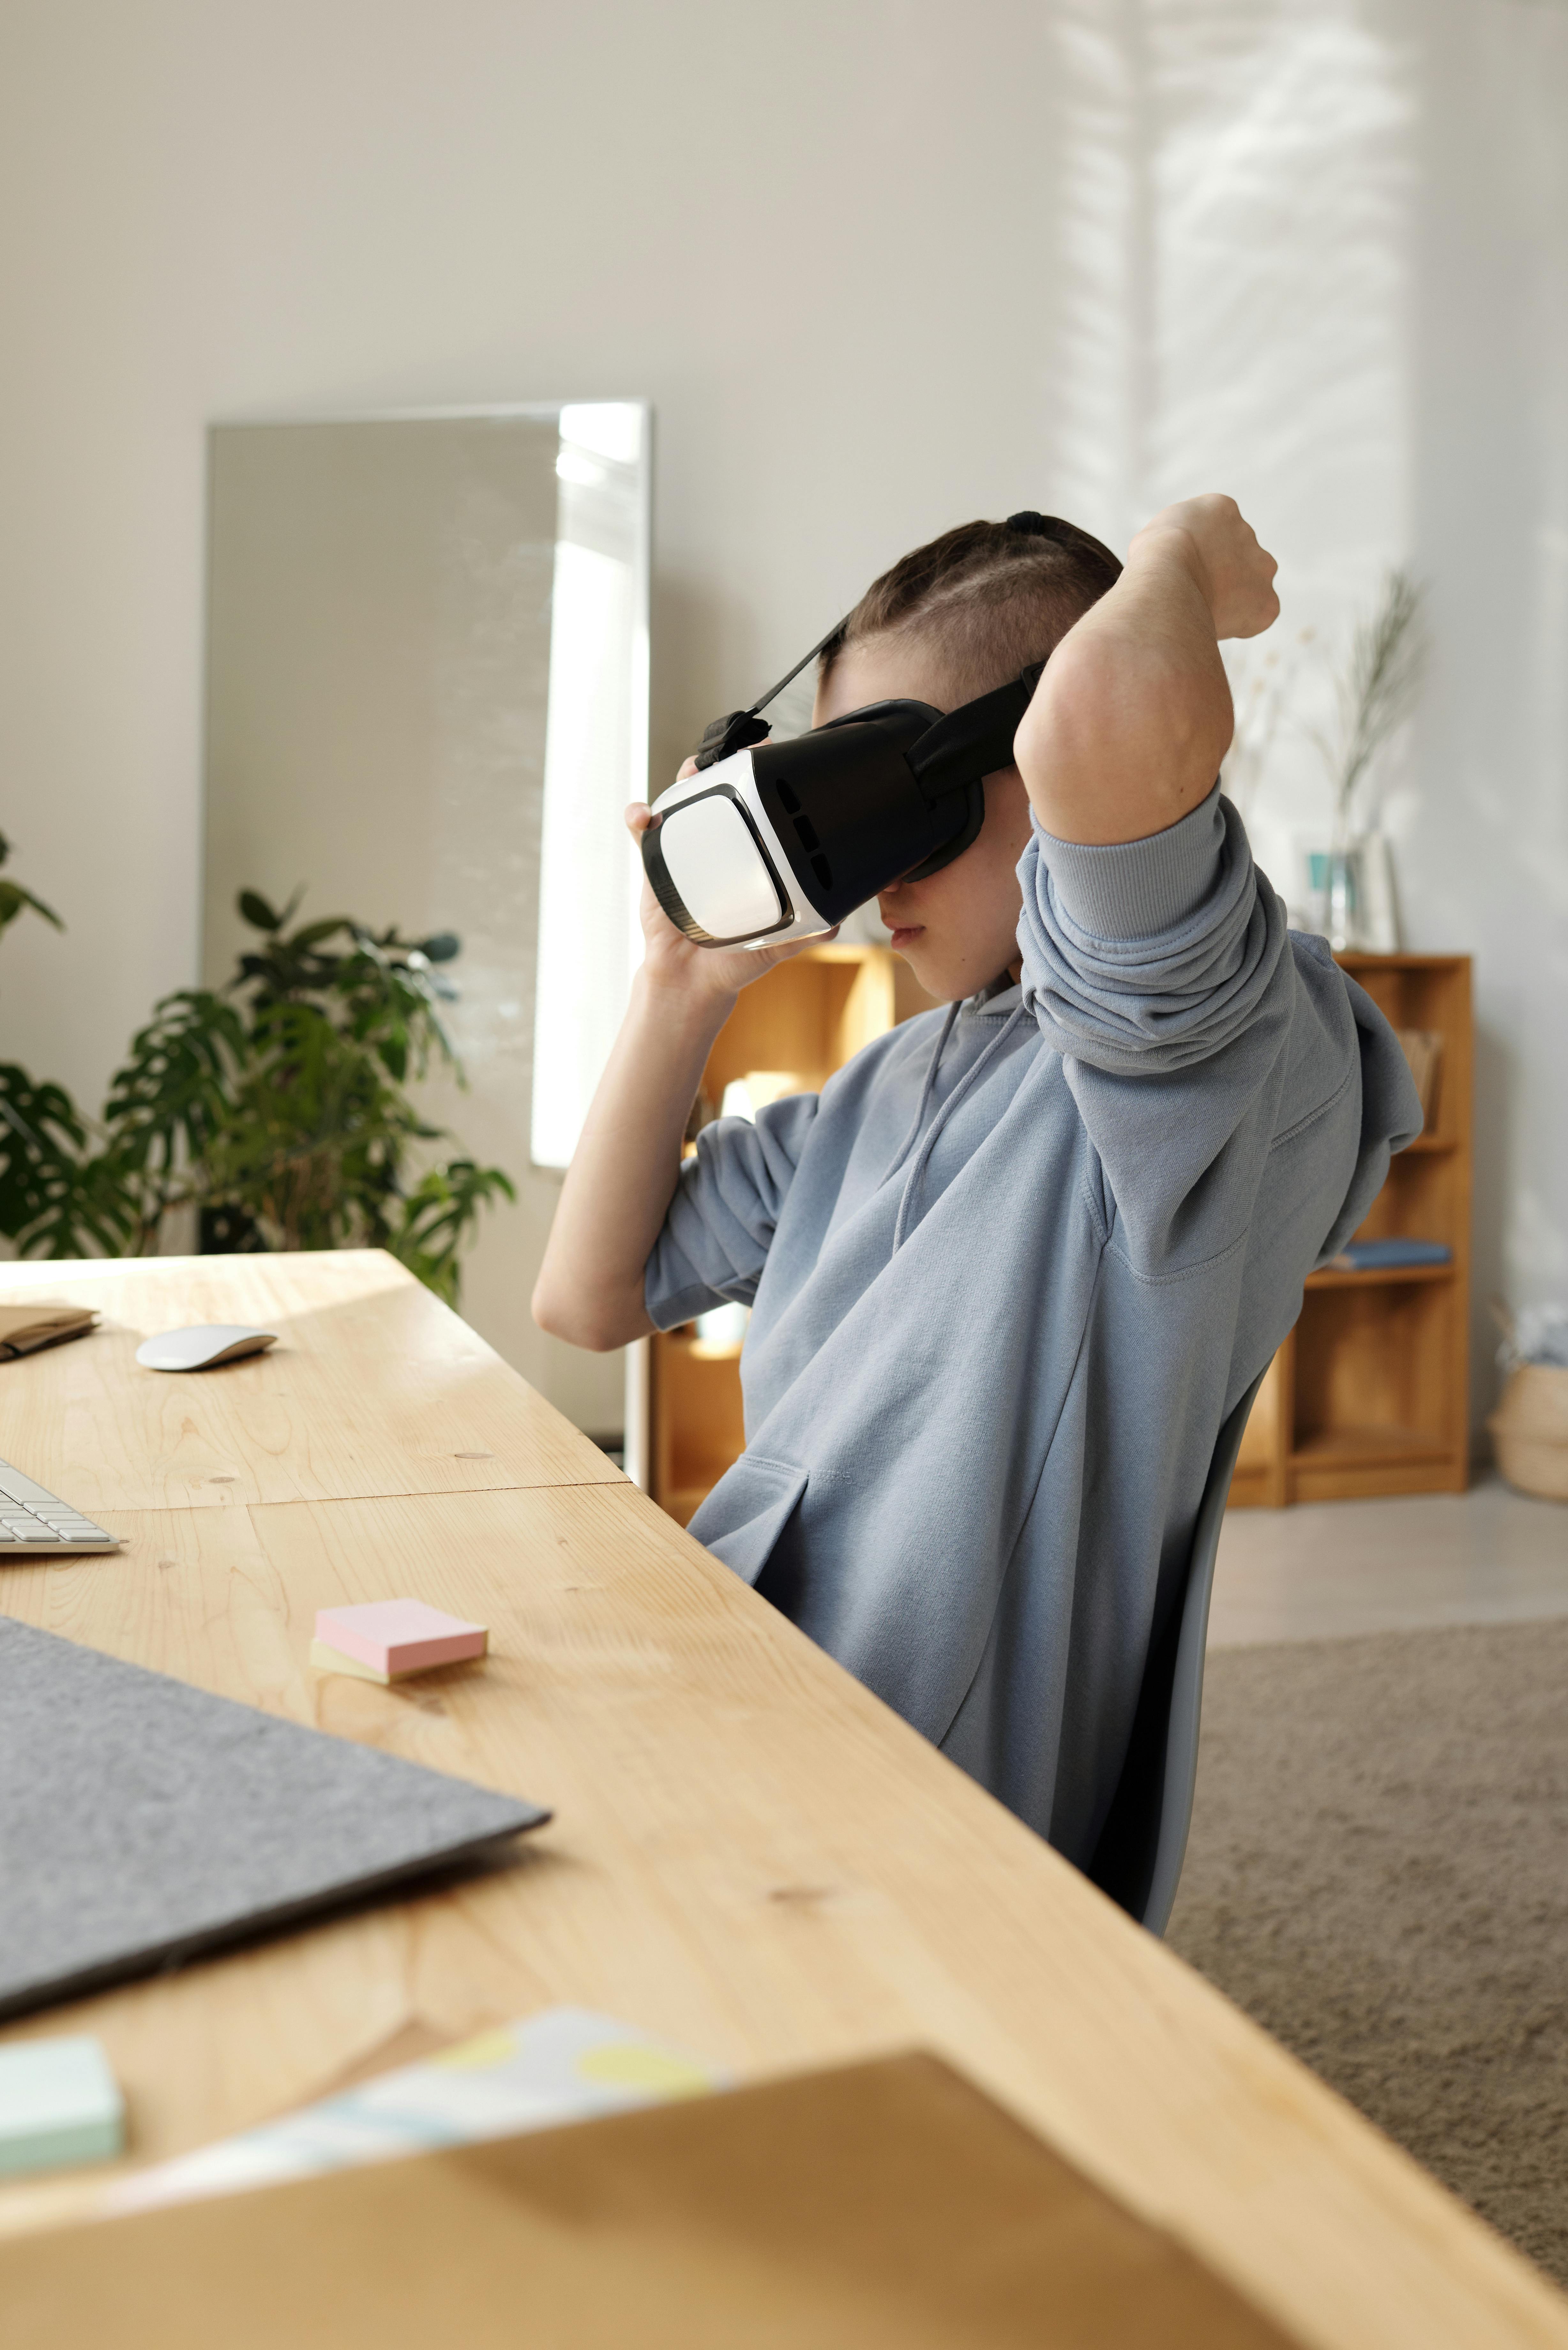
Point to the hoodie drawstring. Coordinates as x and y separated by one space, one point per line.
923 1155
932 1066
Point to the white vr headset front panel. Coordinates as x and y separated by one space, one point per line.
720 863
711 856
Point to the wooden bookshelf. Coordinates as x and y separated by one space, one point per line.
806 1017
1369 1394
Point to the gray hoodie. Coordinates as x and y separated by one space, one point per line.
1008 1271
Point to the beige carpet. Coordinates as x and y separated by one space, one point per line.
1378 1873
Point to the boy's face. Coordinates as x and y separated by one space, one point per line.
958 928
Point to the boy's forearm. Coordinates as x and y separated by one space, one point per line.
1132 717
624 1171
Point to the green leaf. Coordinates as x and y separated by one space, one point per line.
56 1197
444 947
256 911
14 899
440 1218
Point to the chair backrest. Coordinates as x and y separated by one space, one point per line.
1143 1843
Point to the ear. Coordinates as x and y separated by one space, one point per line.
1007 808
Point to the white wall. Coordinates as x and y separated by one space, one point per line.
859 258
1485 851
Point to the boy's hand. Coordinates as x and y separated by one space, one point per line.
673 961
1217 545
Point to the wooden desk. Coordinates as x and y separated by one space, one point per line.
751 1854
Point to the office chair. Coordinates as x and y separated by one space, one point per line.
1137 1860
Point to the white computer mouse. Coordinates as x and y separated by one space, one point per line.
203 1347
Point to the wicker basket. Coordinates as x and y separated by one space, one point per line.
1530 1430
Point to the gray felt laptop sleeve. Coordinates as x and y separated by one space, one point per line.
142 1822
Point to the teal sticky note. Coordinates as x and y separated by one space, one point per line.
59 2104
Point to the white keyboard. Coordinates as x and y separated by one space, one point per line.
35 1524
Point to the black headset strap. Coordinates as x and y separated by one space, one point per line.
741 728
980 731
974 739
789 678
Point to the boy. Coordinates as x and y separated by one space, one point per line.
1012 1268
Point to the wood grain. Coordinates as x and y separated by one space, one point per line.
881 2206
751 1856
374 1388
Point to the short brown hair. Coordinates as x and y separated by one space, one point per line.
987 598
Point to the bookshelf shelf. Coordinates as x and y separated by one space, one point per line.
1369 1394
1329 1278
1361 1445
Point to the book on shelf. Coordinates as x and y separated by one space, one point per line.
1389 1255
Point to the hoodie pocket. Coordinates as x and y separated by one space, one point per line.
747 1511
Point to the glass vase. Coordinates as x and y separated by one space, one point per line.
1343 897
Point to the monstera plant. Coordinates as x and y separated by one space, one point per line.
274 1107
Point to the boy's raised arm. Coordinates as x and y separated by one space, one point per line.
626 1163
1132 717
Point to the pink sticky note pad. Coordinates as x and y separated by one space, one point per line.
400 1636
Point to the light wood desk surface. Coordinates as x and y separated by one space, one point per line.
751 1854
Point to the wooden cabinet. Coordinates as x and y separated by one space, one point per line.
790 1031
1369 1394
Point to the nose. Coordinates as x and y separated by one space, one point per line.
898 897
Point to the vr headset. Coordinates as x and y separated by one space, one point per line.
773 841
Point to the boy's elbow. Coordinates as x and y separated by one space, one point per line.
579 1321
556 1315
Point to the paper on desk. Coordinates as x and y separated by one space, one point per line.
565 2064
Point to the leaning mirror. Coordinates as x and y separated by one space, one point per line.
427 707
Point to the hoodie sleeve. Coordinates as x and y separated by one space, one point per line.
720 1222
1153 954
1198 1039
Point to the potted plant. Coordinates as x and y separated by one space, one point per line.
1375 695
274 1107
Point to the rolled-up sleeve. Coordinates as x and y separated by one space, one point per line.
1152 954
720 1222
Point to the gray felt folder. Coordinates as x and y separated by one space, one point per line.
142 1822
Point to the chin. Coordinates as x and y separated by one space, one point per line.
928 968
949 977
